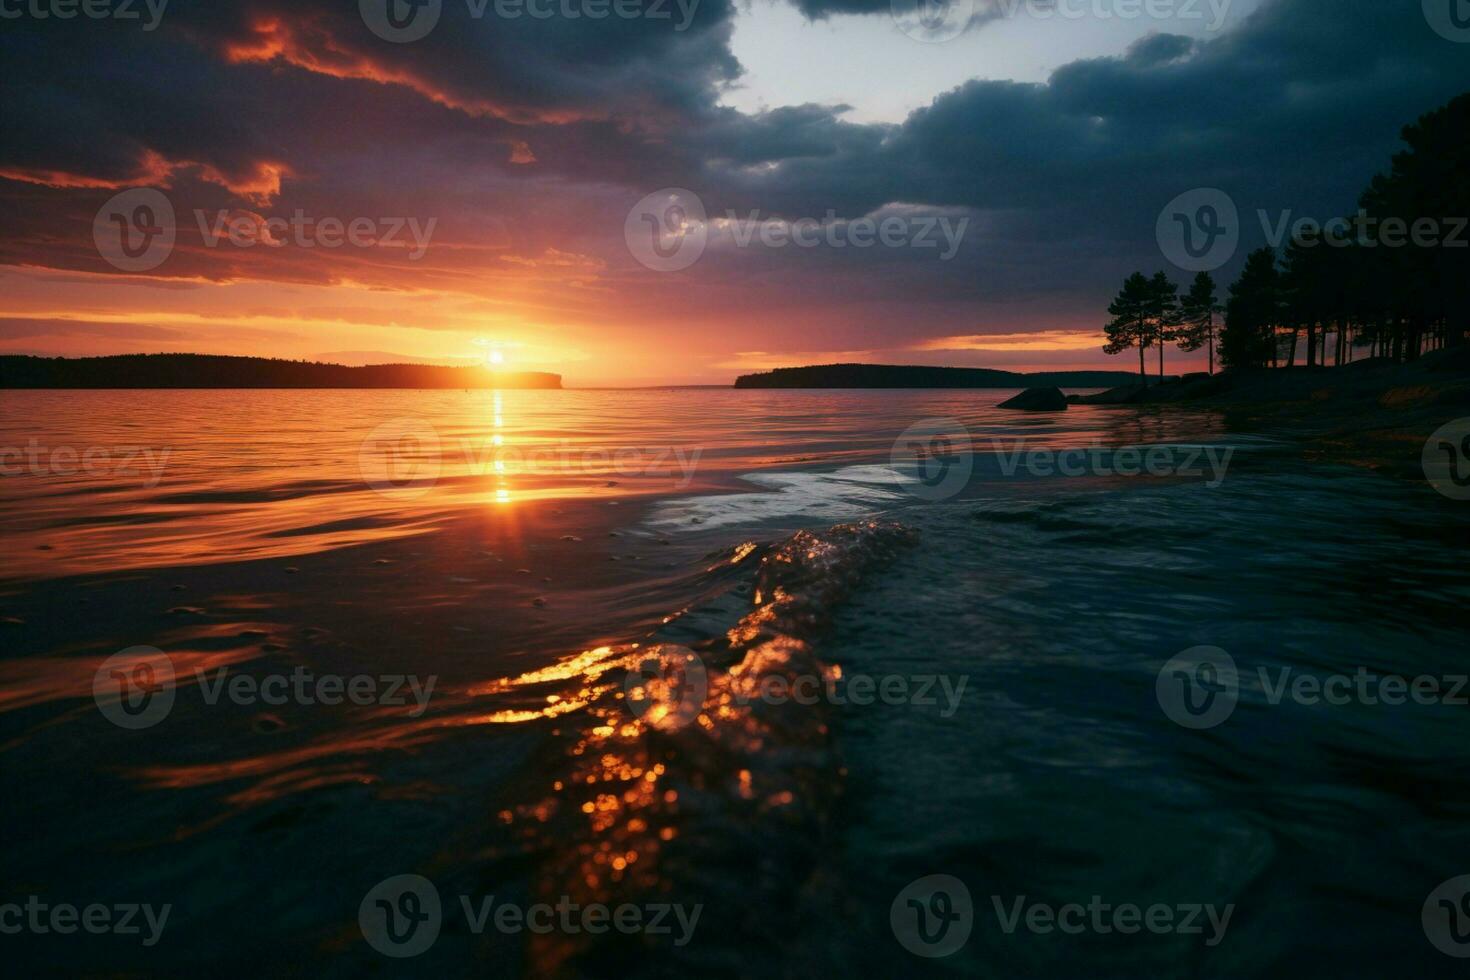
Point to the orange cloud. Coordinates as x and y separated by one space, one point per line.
260 184
1040 340
309 47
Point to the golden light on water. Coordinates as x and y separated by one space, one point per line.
497 439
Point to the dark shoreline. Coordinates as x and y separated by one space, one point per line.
923 376
210 371
1372 413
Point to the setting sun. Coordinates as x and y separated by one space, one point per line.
570 488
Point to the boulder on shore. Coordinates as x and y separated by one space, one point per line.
1038 400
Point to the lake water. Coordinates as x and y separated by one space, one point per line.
777 657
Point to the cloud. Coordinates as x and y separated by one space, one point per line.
1041 340
528 141
15 328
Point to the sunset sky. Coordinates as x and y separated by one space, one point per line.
521 144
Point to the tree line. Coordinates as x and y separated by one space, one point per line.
1337 297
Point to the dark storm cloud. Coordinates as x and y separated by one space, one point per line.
1295 109
981 11
233 84
520 65
522 135
1158 49
1305 93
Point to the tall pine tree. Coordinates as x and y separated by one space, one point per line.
1197 312
1130 311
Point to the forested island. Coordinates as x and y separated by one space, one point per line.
214 371
896 376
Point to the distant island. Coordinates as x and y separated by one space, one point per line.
894 376
213 371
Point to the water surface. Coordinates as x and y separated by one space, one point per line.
531 550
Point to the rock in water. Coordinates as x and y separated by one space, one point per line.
1038 400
